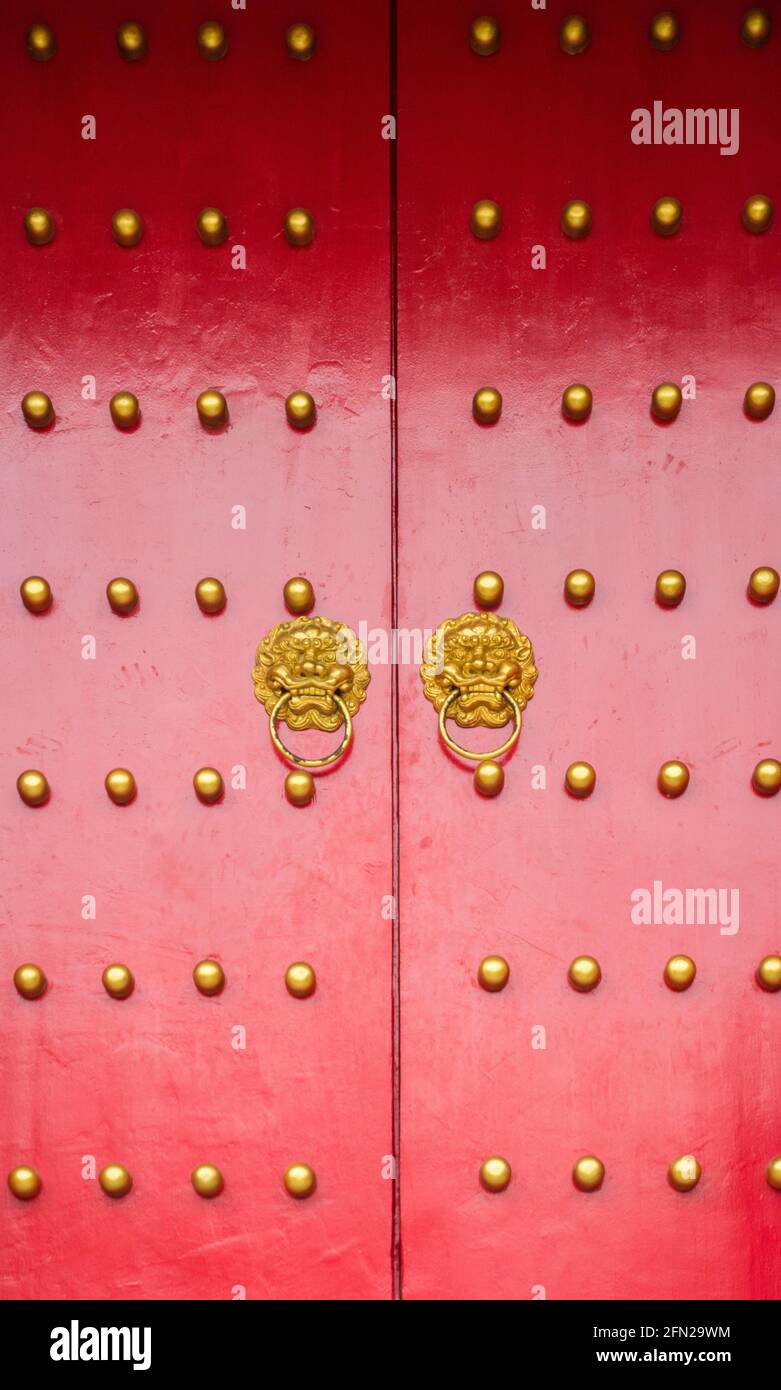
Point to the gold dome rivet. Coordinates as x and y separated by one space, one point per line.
39 226
485 36
298 595
41 44
122 596
573 35
299 787
584 974
37 410
115 1180
212 226
488 589
666 400
300 980
33 787
209 977
679 973
121 786
212 40
666 216
763 584
773 1173
210 595
207 1180
489 777
127 228
755 28
131 41
670 588
769 973
30 981
579 588
495 1173
684 1173
672 778
580 780
300 1180
300 410
576 402
299 227
212 409
493 973
588 1173
24 1183
301 42
118 981
576 219
36 594
124 410
665 31
766 777
486 219
757 213
759 400
209 786
487 405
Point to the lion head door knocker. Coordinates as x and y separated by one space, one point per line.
310 673
479 670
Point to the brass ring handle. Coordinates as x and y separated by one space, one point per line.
293 758
467 752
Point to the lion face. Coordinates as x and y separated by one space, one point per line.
311 660
481 655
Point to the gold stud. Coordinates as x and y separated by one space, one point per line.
670 588
212 409
495 1173
122 596
766 777
488 589
584 974
24 1183
493 973
300 410
39 226
212 40
666 216
573 35
207 1180
679 973
755 28
210 595
209 786
576 402
763 584
209 977
757 213
30 981
41 44
300 1180
684 1173
487 405
576 219
759 400
131 41
127 228
299 787
769 973
588 1173
124 409
37 410
121 786
118 981
773 1173
665 31
299 227
299 596
485 36
301 42
212 226
579 588
673 778
489 777
115 1180
580 780
33 787
36 594
486 219
666 400
300 980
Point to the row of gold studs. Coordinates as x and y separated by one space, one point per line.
576 218
210 37
211 407
208 976
127 227
116 1180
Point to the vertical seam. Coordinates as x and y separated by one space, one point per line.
394 480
